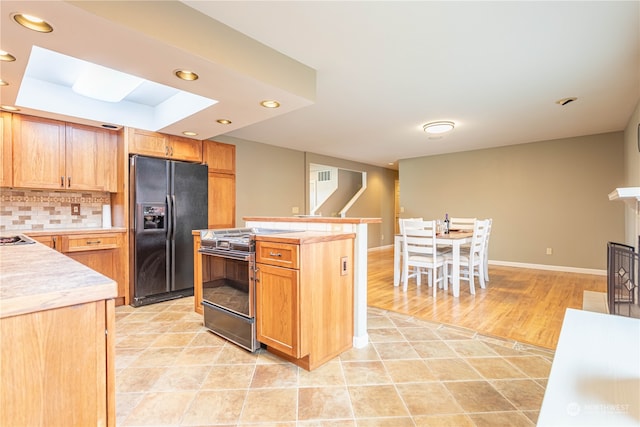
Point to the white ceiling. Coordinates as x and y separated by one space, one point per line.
384 68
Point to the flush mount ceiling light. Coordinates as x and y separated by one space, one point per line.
6 56
189 133
32 22
565 101
186 75
269 103
435 128
105 84
224 121
3 83
9 108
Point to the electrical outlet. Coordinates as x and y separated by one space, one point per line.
295 210
549 251
401 209
344 266
75 208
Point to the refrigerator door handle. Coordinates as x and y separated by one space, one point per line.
174 214
170 219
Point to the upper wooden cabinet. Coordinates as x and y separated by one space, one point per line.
156 144
56 155
90 158
6 170
219 157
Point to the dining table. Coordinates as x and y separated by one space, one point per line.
455 239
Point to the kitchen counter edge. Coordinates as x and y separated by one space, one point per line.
36 278
318 219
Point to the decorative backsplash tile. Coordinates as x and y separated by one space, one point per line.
43 210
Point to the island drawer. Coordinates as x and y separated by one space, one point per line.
89 242
278 254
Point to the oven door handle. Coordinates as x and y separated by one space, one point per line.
226 254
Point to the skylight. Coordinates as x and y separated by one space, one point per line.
52 82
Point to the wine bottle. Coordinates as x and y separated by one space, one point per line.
446 223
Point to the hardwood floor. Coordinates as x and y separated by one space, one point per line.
520 304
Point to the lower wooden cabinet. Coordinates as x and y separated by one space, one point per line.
102 252
57 367
304 299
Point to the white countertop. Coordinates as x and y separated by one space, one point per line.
595 376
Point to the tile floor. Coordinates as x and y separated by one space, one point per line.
170 371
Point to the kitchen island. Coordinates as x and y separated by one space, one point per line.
334 224
56 340
288 291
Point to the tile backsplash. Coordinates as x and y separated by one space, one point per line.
22 209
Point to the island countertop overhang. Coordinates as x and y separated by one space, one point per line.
34 278
318 219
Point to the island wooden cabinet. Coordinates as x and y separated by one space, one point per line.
172 147
304 298
221 160
6 168
57 367
50 154
102 252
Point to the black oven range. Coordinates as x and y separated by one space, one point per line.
228 292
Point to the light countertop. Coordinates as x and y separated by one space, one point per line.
34 278
304 237
595 376
51 231
319 219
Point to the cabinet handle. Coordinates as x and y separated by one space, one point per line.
62 181
93 242
166 150
69 182
171 149
277 254
53 239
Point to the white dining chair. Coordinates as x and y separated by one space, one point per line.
401 222
486 249
462 224
419 250
472 258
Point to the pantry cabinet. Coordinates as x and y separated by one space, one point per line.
6 169
172 147
221 160
49 154
304 296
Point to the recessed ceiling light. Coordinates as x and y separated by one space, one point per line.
6 56
9 108
3 83
438 127
189 133
224 121
186 75
270 103
32 22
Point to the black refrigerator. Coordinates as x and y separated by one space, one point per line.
168 201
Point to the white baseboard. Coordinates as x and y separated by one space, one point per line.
527 265
550 267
